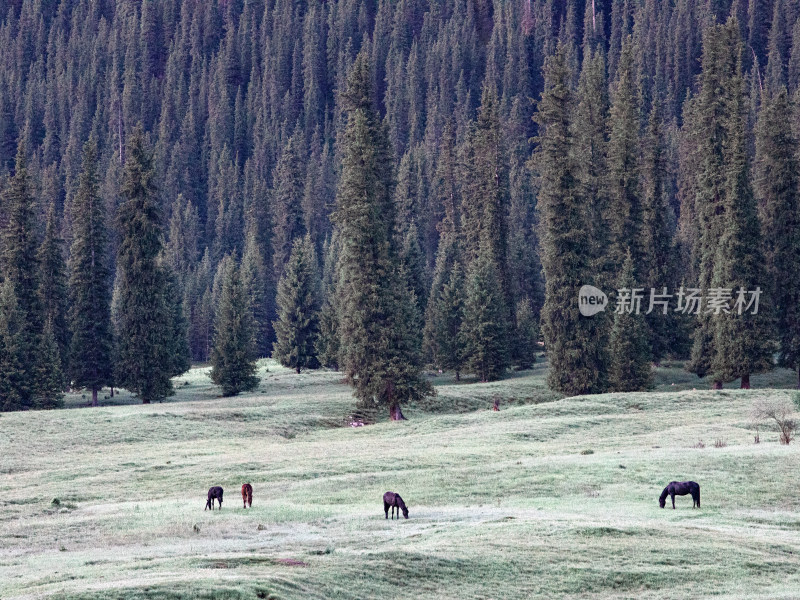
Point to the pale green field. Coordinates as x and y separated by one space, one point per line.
549 498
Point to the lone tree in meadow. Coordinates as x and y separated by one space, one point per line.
233 354
378 352
297 327
145 362
89 284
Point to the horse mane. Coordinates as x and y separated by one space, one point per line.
665 493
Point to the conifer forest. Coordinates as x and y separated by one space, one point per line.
392 187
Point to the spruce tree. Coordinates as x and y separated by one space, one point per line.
144 365
298 300
484 331
630 344
378 352
232 356
776 186
658 256
328 339
180 357
721 55
257 282
742 340
90 364
287 203
15 392
445 321
21 268
53 285
50 377
570 339
625 203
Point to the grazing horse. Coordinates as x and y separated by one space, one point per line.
395 501
214 493
680 488
247 495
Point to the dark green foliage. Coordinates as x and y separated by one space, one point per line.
625 203
378 351
414 265
15 388
257 283
485 329
658 256
526 339
53 285
232 357
776 187
720 92
298 300
287 203
571 340
50 377
630 343
89 285
180 357
328 339
144 362
444 321
20 266
743 342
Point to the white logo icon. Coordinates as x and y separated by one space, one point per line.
591 300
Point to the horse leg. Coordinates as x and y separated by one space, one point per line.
386 509
673 501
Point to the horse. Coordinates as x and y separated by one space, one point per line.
681 488
214 493
395 501
247 495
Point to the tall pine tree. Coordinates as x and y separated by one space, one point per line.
232 357
144 365
378 352
89 285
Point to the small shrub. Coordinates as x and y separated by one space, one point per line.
778 411
720 443
588 451
699 444
56 502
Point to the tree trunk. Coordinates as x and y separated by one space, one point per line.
745 381
145 401
396 414
94 396
298 370
458 377
798 378
717 385
112 391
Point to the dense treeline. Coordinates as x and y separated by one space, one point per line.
518 150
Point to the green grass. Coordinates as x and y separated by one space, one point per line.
549 498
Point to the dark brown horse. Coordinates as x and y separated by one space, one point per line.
247 495
680 488
214 493
395 501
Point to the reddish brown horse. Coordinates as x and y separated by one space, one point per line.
247 495
214 493
680 488
390 499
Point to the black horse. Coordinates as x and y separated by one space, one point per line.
680 488
214 493
395 501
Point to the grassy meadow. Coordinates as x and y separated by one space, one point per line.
548 498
